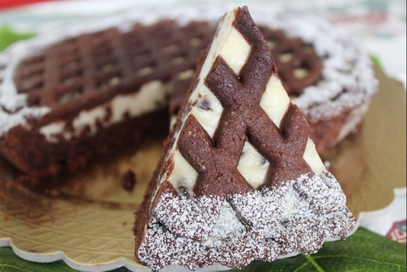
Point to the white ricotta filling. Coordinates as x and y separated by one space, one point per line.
275 102
50 131
183 174
150 97
252 166
355 117
89 119
312 158
234 49
207 111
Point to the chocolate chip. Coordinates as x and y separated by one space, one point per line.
128 181
204 104
184 192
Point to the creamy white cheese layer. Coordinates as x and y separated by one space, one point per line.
150 97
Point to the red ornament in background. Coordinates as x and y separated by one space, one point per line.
398 232
14 3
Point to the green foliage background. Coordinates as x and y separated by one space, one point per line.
362 251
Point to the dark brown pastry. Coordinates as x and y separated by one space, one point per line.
240 178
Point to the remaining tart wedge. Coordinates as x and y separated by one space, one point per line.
240 179
79 92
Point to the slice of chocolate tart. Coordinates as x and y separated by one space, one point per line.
240 178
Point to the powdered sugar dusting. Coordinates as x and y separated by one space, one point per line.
295 216
13 105
192 218
227 225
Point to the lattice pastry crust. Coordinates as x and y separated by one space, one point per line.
65 92
241 179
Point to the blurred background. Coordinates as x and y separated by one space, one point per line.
380 25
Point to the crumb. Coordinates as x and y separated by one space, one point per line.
128 180
5 219
52 192
124 224
9 184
